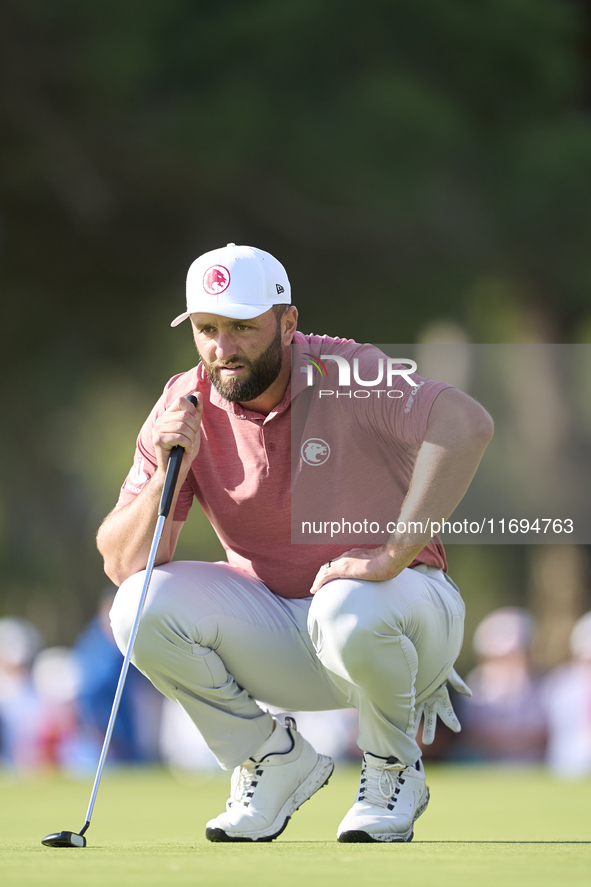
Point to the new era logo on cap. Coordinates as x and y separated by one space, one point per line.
235 281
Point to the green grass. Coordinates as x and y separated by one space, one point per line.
484 826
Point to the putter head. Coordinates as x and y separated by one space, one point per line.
64 839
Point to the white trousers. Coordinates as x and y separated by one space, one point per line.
216 639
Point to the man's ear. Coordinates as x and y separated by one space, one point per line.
289 324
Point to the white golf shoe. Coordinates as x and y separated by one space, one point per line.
391 796
265 793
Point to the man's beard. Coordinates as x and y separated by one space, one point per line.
263 371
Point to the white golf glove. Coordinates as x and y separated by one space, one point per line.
438 703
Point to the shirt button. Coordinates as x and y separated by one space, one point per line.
272 447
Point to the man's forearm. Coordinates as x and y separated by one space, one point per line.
439 484
125 536
440 480
445 466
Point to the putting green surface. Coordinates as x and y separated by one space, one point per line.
484 826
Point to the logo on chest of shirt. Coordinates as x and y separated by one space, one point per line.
315 451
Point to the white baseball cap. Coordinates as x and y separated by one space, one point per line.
235 281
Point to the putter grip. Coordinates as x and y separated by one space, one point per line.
172 473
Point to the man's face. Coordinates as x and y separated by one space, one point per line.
242 358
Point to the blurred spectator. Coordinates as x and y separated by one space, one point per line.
567 694
182 747
135 734
505 718
56 679
20 707
55 703
332 733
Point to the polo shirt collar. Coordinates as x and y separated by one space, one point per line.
236 410
296 385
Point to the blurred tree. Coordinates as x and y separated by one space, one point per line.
433 159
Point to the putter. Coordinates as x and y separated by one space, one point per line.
77 839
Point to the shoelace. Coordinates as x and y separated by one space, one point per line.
381 786
243 789
243 786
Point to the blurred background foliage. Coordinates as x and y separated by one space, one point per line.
422 168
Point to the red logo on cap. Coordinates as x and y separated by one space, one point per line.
216 279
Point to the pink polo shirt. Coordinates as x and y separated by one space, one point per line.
242 476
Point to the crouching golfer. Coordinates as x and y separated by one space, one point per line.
302 627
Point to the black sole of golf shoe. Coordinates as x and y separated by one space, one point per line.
359 837
220 836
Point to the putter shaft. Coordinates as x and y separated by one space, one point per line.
125 668
70 839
